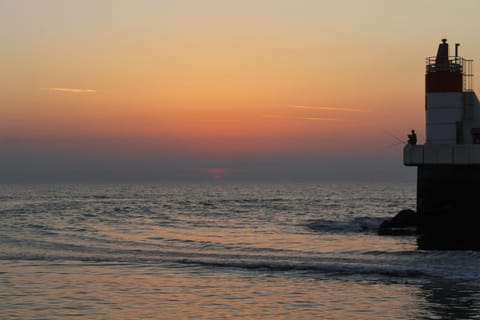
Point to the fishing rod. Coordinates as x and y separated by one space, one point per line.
399 140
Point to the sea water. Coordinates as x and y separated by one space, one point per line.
222 251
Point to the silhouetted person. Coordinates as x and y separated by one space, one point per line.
412 138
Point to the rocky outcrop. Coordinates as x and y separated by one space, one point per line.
403 224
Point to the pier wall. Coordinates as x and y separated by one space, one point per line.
448 204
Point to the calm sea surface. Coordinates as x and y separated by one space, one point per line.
222 251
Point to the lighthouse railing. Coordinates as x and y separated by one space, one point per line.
454 64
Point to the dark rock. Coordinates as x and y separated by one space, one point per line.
403 224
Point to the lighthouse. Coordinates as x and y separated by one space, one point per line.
448 164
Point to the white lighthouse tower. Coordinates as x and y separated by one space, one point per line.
448 178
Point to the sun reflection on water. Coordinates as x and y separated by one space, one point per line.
116 291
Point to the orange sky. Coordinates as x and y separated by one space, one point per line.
222 78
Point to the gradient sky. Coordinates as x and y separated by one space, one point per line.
218 89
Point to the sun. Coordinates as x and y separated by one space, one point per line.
218 173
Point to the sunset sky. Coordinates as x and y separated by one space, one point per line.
264 89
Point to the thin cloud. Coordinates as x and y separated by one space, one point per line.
272 116
276 116
73 90
318 119
332 109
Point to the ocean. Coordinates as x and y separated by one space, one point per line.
223 251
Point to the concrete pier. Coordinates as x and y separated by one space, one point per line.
448 198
